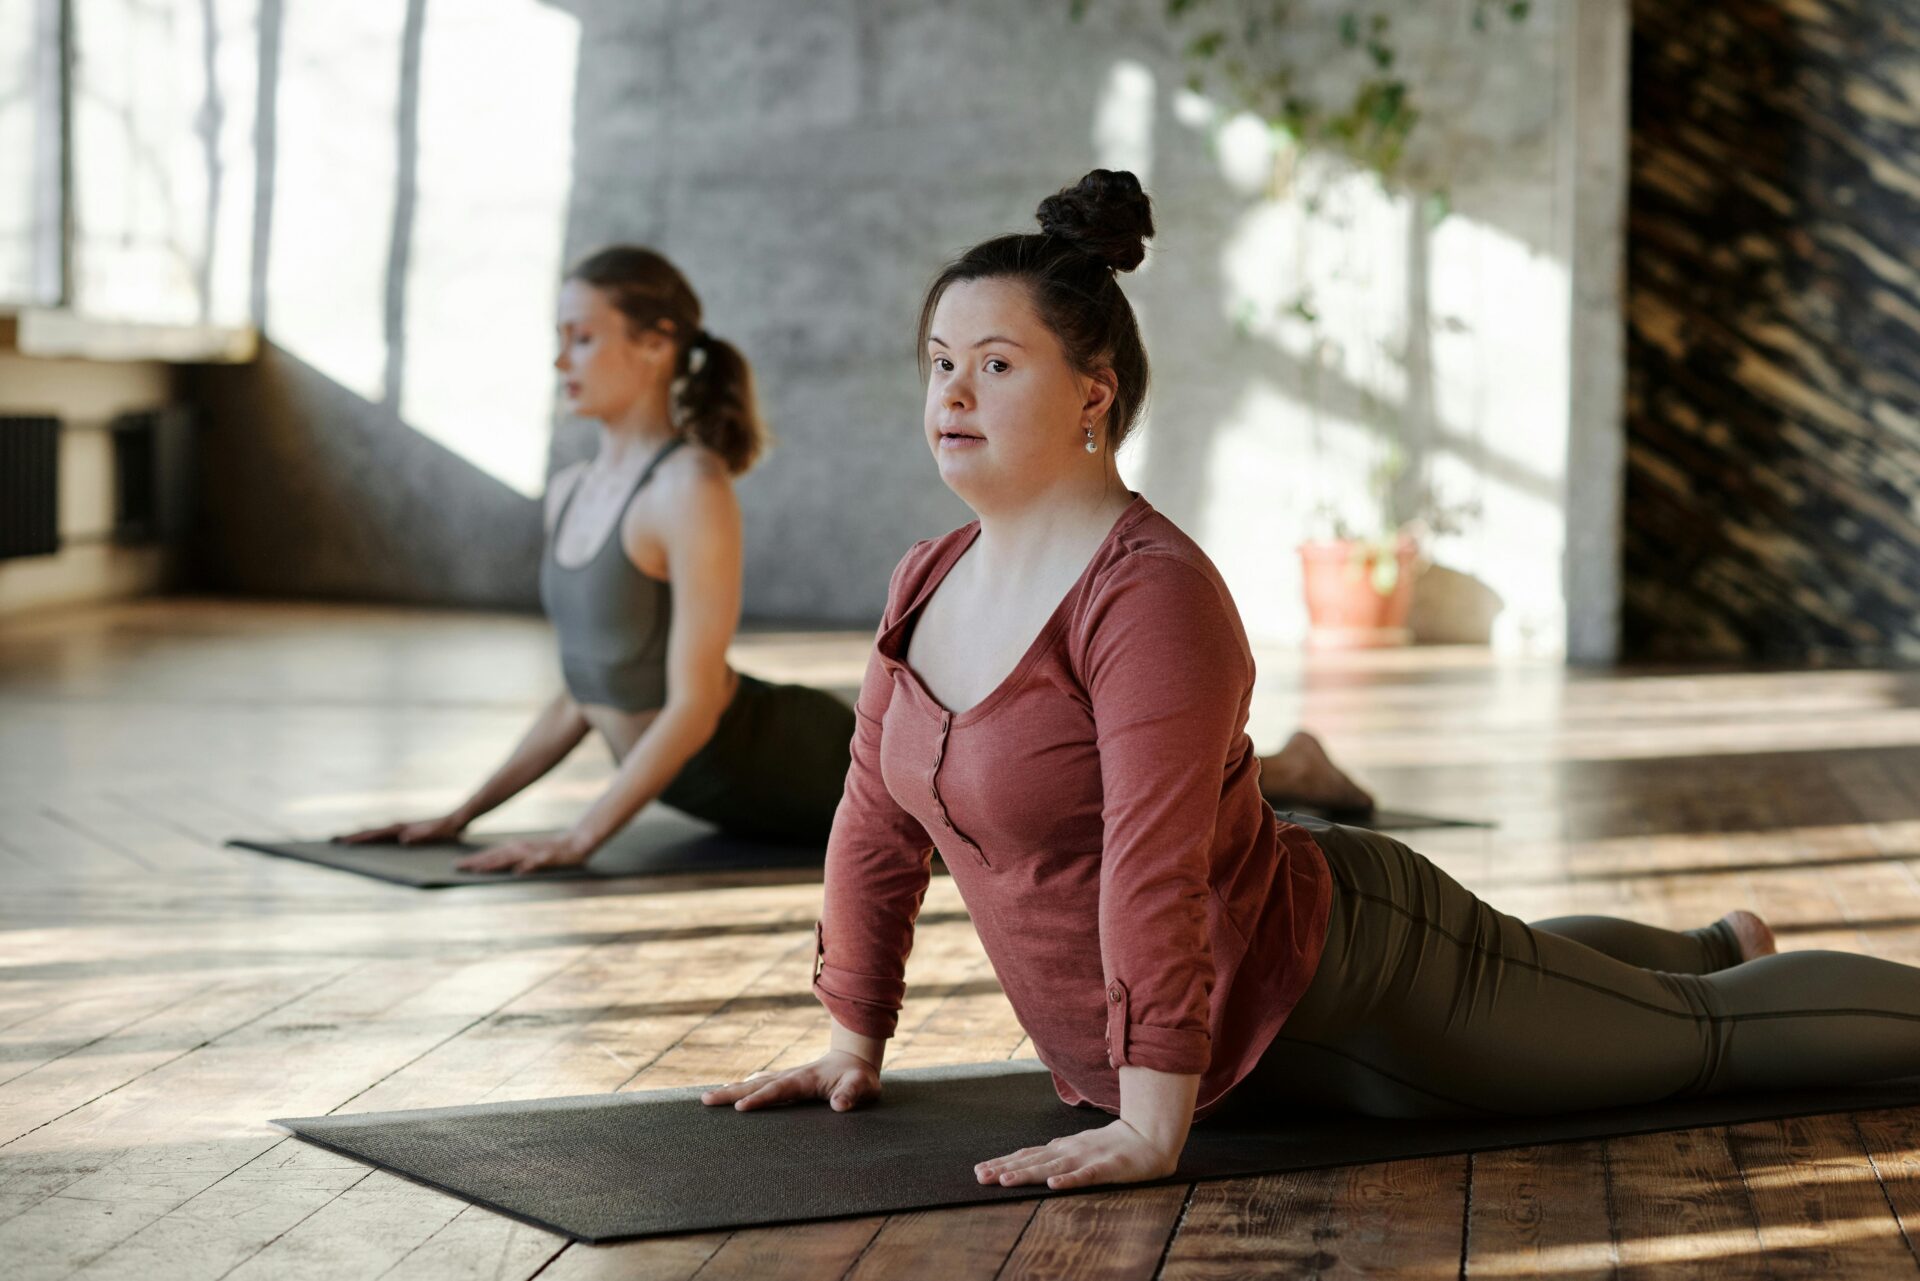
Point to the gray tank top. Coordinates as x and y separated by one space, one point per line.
612 618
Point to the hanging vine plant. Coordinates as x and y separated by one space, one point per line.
1332 80
1239 52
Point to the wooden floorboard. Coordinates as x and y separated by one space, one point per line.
1277 1225
1680 1208
1817 1200
969 1243
1117 1235
161 996
1401 1219
1541 1212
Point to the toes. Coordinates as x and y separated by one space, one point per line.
1753 934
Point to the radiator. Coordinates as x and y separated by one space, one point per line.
29 486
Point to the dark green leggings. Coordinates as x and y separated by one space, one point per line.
775 767
1429 1003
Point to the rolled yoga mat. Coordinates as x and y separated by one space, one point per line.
600 1167
659 842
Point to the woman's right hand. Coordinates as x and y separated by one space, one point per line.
424 832
843 1080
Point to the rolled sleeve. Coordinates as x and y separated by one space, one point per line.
1185 1051
1182 1050
865 1003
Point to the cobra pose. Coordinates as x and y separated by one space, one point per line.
1057 702
641 578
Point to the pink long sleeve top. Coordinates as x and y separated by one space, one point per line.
1100 812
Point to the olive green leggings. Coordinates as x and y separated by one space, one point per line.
1427 1002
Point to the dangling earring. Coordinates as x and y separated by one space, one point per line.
1092 448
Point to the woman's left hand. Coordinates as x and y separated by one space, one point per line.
530 854
1115 1153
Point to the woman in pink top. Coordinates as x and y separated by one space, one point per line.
1057 701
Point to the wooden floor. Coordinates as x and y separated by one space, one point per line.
160 996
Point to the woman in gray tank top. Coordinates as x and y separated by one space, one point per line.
641 578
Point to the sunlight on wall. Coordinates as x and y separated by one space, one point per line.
1502 399
495 169
1449 338
1123 121
1345 265
335 158
1123 139
1244 147
1260 489
162 151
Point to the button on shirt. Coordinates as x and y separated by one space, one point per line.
1100 812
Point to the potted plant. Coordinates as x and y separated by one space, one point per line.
1359 590
1359 580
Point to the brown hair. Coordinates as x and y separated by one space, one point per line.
1088 232
713 384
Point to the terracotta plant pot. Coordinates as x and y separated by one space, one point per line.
1344 608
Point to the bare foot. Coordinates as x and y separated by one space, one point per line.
1301 773
1752 932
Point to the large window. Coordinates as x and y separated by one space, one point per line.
31 184
127 184
162 103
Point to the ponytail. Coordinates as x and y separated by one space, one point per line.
714 402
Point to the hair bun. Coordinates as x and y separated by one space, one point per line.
1105 215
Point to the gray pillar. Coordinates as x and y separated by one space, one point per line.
1593 186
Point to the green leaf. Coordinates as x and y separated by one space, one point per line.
1350 29
1206 45
1519 10
1388 103
1386 571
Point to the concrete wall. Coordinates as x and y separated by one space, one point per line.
810 166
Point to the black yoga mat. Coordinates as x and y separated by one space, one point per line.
657 843
600 1167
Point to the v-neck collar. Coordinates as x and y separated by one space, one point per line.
892 644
